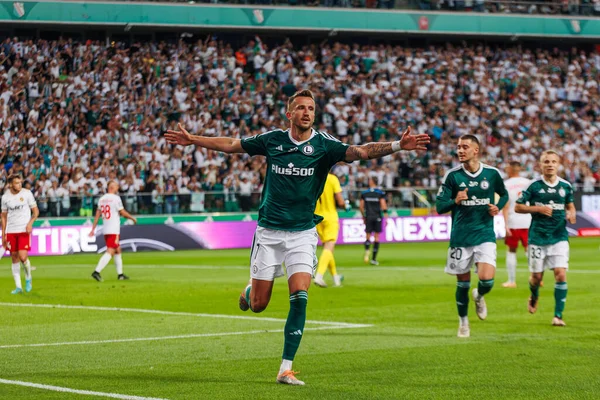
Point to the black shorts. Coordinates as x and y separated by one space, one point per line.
373 225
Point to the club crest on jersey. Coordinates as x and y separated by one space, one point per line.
485 185
562 192
308 150
20 199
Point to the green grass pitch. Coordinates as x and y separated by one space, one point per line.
408 351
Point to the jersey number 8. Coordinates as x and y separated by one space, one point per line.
105 211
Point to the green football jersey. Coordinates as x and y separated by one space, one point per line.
471 222
296 175
545 230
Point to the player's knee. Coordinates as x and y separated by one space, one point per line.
22 258
512 249
258 307
560 277
258 303
535 279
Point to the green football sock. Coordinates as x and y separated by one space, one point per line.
485 286
247 296
294 327
560 297
462 297
535 290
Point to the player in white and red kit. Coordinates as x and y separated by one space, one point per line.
19 211
110 208
517 225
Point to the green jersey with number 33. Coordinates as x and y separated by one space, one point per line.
545 230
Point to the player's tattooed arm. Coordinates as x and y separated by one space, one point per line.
370 151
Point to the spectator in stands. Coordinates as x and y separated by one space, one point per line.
68 122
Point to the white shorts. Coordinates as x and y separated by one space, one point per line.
271 249
552 256
461 259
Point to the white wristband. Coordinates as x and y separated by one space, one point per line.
396 146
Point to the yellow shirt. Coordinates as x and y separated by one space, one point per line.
326 206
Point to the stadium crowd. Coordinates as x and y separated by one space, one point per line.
75 115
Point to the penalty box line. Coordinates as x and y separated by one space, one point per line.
182 314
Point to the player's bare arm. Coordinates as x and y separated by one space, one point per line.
361 207
35 213
184 138
370 151
505 215
4 219
95 224
339 200
525 209
125 214
383 205
571 213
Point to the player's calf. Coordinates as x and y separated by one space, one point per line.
253 300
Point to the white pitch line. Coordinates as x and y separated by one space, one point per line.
76 391
179 313
408 268
158 338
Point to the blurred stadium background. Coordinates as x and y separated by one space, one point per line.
87 90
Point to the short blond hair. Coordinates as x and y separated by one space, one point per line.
300 93
550 152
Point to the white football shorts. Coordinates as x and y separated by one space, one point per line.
552 256
461 259
271 249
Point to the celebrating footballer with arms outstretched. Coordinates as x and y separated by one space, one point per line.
298 161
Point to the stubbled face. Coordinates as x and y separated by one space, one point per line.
302 113
467 150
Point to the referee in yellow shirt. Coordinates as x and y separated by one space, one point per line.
328 228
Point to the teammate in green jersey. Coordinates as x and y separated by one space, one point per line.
549 200
469 192
298 161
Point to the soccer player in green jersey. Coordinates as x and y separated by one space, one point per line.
469 192
549 200
298 161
